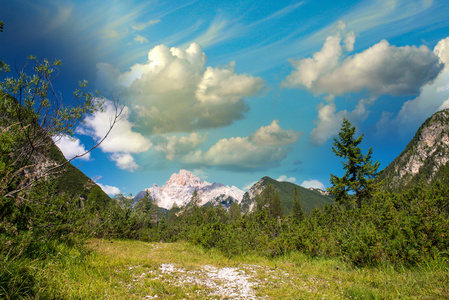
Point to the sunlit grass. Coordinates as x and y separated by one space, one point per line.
132 270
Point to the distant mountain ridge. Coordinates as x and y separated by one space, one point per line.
180 187
310 198
425 158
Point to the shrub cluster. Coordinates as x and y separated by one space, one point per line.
402 229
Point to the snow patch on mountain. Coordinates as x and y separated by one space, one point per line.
180 187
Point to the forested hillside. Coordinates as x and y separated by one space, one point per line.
310 199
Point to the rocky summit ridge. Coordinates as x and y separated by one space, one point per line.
424 159
180 187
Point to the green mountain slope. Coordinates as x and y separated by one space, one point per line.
425 159
71 180
310 199
45 154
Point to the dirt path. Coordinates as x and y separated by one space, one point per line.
228 283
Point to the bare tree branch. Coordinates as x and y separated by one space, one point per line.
32 114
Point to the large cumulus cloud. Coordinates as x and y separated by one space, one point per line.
433 97
174 91
381 69
265 147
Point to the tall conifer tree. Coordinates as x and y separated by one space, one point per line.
360 170
298 213
270 199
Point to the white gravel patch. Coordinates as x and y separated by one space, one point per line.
230 283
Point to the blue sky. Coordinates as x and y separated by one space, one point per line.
234 91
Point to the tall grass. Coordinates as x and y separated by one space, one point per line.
118 269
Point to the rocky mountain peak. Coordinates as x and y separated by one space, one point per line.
184 177
180 187
424 157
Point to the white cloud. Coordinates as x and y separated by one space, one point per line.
174 146
71 147
380 17
381 69
221 86
281 13
140 39
124 161
327 124
274 135
142 26
110 190
112 34
428 102
220 30
250 152
174 92
329 120
283 178
313 183
442 51
121 138
200 173
433 97
121 141
308 70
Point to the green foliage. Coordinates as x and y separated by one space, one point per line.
398 229
145 204
360 171
41 102
37 215
270 201
297 211
96 199
235 212
195 199
31 114
31 228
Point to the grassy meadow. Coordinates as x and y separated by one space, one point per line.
123 269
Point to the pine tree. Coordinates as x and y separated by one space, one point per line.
97 200
298 213
155 214
194 212
145 204
275 206
234 212
360 171
195 199
271 201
